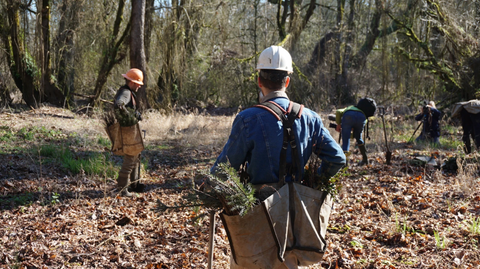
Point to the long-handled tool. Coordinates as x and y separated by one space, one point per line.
388 154
211 241
411 138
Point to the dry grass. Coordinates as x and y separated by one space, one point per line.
191 130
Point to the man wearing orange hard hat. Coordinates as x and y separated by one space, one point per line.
125 105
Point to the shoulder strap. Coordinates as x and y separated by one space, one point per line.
294 111
133 100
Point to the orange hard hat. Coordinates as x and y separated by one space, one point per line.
134 75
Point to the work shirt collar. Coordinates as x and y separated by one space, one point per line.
274 94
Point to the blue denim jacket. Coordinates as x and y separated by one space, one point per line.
257 137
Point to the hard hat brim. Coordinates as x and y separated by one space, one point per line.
132 80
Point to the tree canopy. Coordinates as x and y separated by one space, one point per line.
204 52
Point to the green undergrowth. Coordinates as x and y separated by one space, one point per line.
70 151
406 131
92 163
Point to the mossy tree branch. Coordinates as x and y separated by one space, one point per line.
452 68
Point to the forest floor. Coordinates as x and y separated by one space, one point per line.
404 215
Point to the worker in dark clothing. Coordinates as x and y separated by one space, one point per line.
468 130
469 112
430 116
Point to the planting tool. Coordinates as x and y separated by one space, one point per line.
388 154
211 241
411 138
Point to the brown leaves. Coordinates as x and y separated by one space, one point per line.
385 216
401 208
123 221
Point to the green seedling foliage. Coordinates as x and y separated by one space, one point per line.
222 190
475 226
440 242
236 196
55 198
144 163
126 117
26 134
330 185
356 244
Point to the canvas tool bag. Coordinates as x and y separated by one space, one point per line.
291 220
294 219
126 140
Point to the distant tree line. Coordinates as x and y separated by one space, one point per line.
197 52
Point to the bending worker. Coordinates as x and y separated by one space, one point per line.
469 113
430 116
354 118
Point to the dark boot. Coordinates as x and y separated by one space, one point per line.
468 146
128 165
363 151
135 185
122 184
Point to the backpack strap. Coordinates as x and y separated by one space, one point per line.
294 111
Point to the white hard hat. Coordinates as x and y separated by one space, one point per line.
275 58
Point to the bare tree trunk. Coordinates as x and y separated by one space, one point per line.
112 54
477 18
137 49
346 95
65 47
360 57
5 98
149 12
282 18
337 60
22 66
50 91
167 80
298 27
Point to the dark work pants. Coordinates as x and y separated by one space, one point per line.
471 128
129 170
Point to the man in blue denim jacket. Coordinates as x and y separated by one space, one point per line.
257 136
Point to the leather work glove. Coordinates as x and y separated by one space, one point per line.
138 115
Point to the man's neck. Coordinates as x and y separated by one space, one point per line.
274 94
